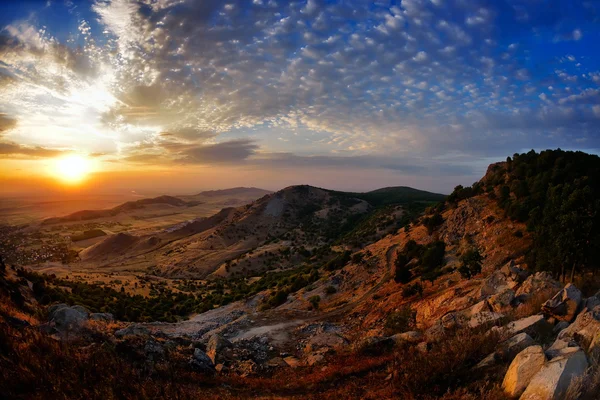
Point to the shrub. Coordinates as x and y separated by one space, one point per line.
330 289
470 263
314 302
411 290
400 321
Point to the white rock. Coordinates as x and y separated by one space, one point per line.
522 369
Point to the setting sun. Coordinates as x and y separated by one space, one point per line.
72 169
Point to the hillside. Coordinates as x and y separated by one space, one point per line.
278 230
458 303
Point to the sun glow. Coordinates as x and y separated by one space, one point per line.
72 169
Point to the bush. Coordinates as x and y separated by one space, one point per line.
400 321
314 302
411 290
470 263
330 290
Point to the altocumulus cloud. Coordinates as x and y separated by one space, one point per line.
352 83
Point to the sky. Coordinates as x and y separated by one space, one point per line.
180 95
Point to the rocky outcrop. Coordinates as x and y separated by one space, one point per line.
538 284
219 349
553 379
502 301
201 362
565 304
133 330
407 337
484 318
522 369
105 317
67 319
585 330
534 325
325 342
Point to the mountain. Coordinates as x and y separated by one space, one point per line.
279 229
236 191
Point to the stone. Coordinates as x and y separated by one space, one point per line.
565 304
540 284
407 337
292 361
106 317
522 369
246 368
221 368
585 330
553 379
423 347
560 326
483 318
591 303
508 350
493 284
216 348
514 273
201 362
314 358
558 346
69 319
153 350
435 332
534 325
502 301
132 330
325 340
477 308
276 362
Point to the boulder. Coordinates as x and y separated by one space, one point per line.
218 349
201 362
483 318
106 317
553 379
522 369
55 307
585 330
407 337
534 325
508 350
292 361
558 347
329 341
560 326
132 330
591 303
502 300
477 308
493 284
276 362
247 368
565 304
514 273
153 350
539 284
69 319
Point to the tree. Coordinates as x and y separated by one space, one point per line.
402 273
470 263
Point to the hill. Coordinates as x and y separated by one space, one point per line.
236 191
277 230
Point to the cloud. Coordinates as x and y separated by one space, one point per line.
183 80
6 123
11 150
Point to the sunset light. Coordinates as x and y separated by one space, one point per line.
72 169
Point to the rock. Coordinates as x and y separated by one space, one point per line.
407 337
292 361
508 350
246 368
477 308
55 307
276 362
217 347
452 320
153 350
423 347
493 284
502 301
560 326
106 317
514 273
553 379
201 362
484 317
314 358
534 325
565 304
132 330
435 332
325 340
522 369
539 284
69 319
220 368
591 303
585 330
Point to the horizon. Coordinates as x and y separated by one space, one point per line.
164 97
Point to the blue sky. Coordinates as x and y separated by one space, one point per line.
420 92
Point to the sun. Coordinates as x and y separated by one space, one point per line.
72 169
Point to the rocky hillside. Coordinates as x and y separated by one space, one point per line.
277 231
455 305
